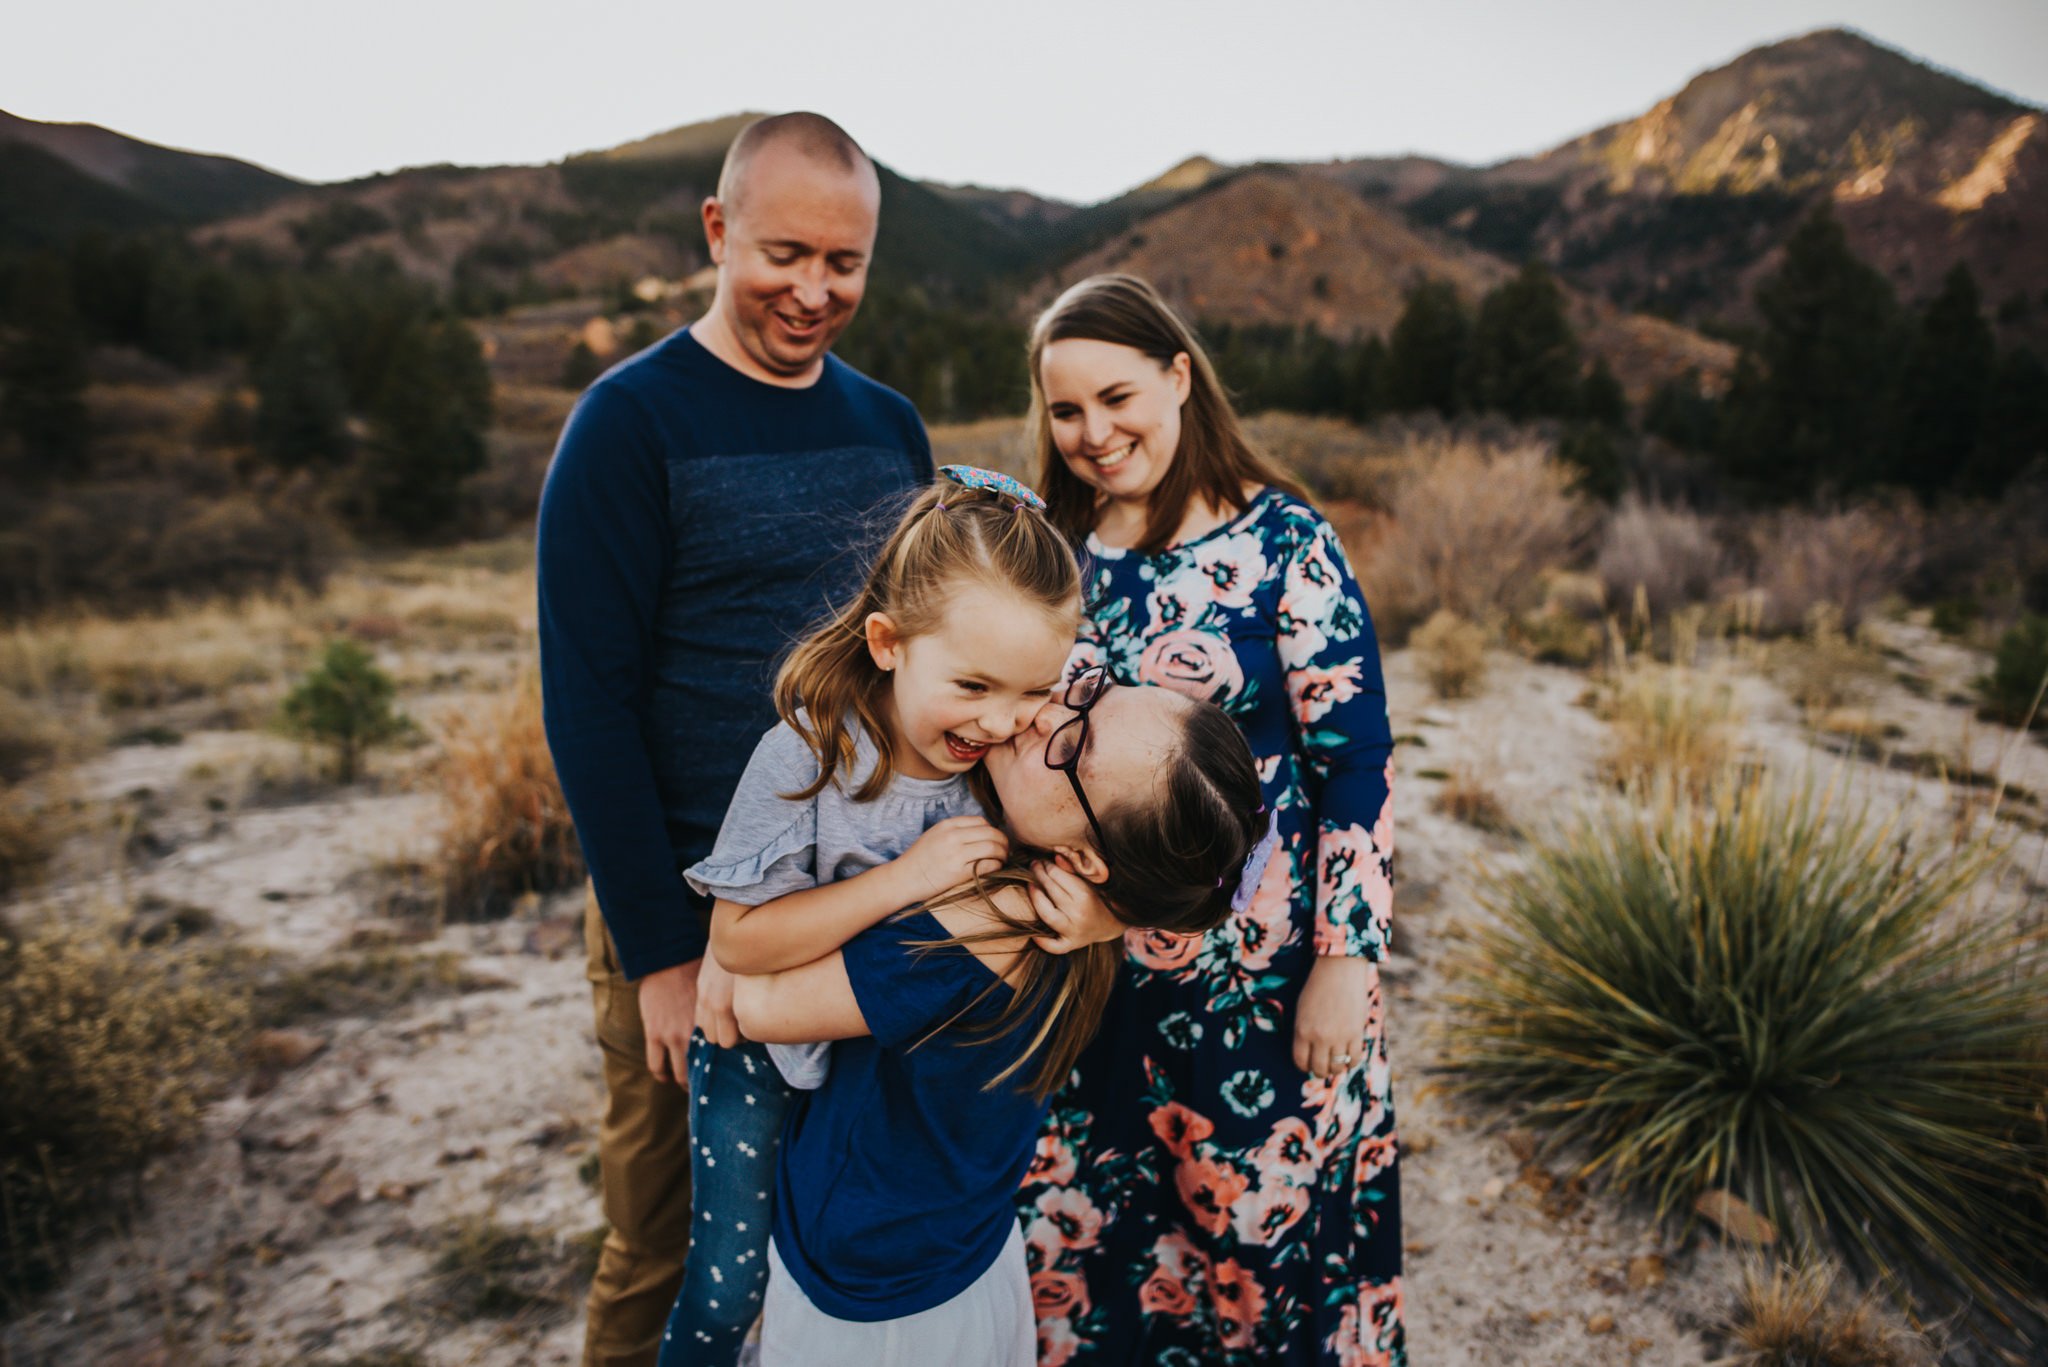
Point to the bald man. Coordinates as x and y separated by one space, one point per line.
706 501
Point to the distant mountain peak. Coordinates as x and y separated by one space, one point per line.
705 138
1191 174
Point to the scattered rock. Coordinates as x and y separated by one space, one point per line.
284 1048
1645 1272
157 921
397 1191
1493 1188
1602 1323
556 1133
468 1155
337 1191
387 934
1736 1217
1522 1144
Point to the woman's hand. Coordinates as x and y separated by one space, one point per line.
948 854
1073 907
714 1004
1330 1020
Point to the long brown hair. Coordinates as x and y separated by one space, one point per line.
950 536
1213 459
1174 860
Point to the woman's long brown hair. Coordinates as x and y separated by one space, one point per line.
950 536
1213 460
1173 860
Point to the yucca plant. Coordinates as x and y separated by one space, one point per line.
1755 990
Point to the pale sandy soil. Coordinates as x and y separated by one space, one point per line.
303 1226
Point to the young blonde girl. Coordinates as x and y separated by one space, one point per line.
857 805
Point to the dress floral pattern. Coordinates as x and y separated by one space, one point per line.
1241 1211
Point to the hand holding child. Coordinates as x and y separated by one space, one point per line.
1073 908
949 854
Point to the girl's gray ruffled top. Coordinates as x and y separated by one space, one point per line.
770 846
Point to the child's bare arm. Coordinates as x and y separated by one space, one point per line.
813 1001
802 926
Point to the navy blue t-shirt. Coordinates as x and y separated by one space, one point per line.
694 522
895 1188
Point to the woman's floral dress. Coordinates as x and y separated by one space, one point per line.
1196 1199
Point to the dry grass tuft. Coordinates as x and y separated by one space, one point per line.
367 984
486 1270
508 828
1464 797
30 737
1798 1316
106 1055
1669 719
1453 654
1470 529
1825 671
26 843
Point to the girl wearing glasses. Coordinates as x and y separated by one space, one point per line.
1217 1184
894 1237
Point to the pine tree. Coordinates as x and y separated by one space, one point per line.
1681 413
1426 353
301 400
43 376
429 417
1366 383
1601 398
1807 407
1941 391
1525 356
2015 430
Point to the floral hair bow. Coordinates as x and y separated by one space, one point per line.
1255 865
995 481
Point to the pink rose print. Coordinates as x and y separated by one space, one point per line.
1239 1302
1177 1254
1162 951
1268 923
1354 891
1180 1128
1053 1162
1163 1294
1043 1243
1316 691
1208 1189
1375 1156
1290 1151
1059 1295
1057 1342
1192 662
1263 1216
1233 566
1073 1215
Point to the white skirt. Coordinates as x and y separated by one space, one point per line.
990 1324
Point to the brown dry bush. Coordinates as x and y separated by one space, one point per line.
1667 555
107 1053
1669 719
25 843
1471 529
1453 654
29 737
508 830
992 444
1824 671
1846 560
1790 1316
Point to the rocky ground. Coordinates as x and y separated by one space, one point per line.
410 1182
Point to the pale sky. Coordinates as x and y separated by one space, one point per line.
1075 98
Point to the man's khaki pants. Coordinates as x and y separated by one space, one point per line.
644 1150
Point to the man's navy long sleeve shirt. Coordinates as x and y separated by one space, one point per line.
694 522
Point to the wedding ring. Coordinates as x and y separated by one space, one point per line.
1343 1060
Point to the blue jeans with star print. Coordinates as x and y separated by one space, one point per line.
737 1103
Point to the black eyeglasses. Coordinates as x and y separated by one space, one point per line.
1063 750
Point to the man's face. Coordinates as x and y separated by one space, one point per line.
793 251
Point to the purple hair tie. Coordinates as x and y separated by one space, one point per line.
1255 864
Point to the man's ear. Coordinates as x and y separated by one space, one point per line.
885 643
1084 861
714 229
